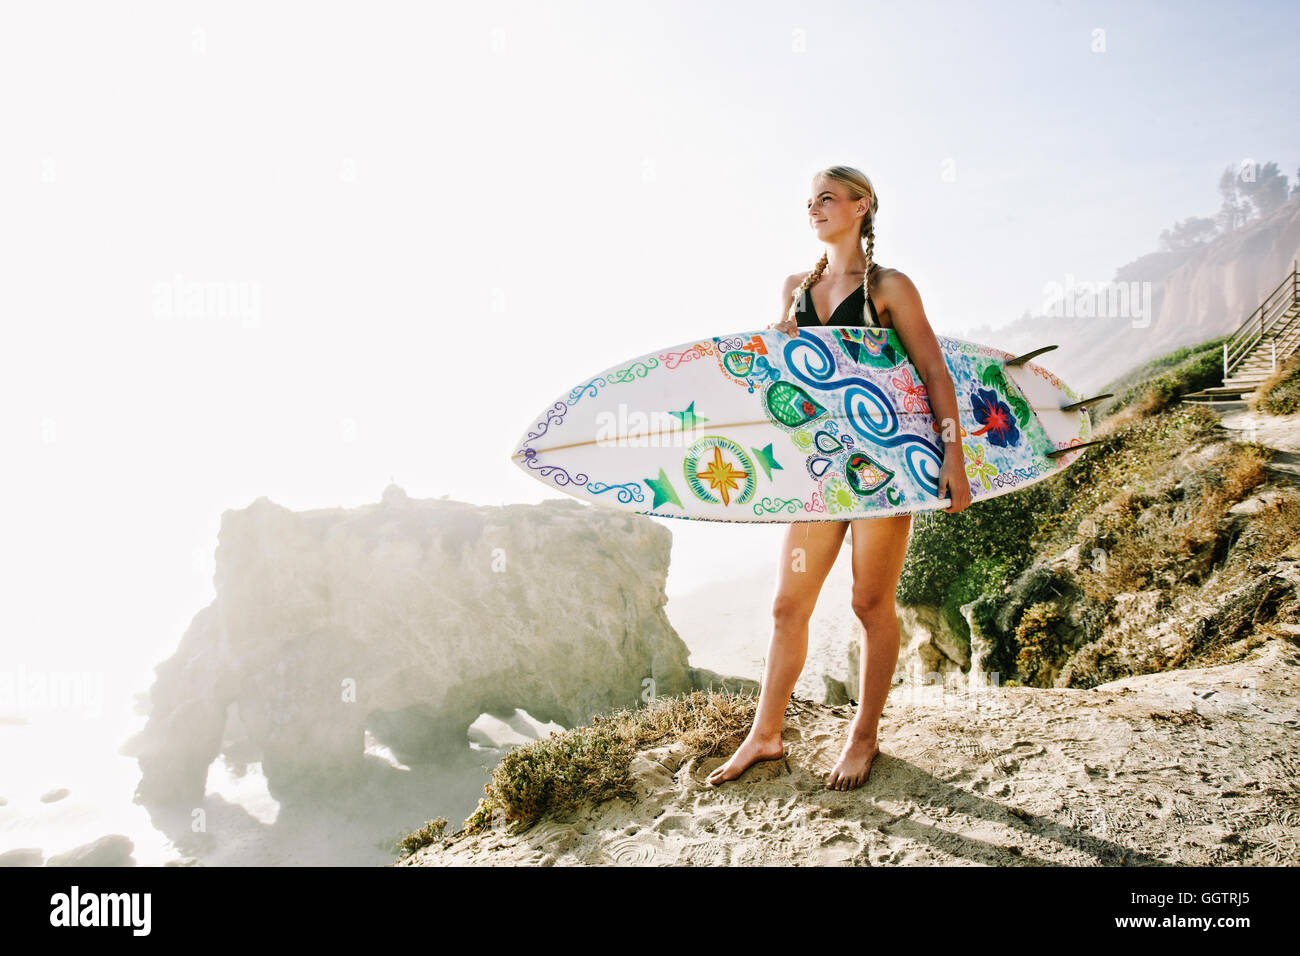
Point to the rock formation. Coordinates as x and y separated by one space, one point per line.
408 619
112 850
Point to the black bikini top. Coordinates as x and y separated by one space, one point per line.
806 312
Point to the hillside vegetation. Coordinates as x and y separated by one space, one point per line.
1066 579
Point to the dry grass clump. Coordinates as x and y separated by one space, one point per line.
1147 405
1133 456
1277 529
556 775
431 832
1279 394
1150 538
1246 470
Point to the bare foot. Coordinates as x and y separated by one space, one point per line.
751 750
854 765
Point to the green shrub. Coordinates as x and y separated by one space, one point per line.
951 558
1002 654
1040 653
984 575
481 818
1161 381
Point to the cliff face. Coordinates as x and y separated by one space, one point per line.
1222 283
406 619
1195 296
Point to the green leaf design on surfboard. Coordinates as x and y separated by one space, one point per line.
993 377
791 405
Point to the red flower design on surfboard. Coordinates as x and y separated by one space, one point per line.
993 413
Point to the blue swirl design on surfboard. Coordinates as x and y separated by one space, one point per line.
811 362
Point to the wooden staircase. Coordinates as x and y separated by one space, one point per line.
1267 338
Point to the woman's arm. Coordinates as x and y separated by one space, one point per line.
899 295
787 323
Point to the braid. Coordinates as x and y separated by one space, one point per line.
812 277
869 229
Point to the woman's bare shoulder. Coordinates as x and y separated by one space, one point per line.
792 282
887 278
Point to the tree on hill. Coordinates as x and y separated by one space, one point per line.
1267 190
1249 193
1192 231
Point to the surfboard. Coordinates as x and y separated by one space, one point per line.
832 424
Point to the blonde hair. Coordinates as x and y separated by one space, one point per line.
859 187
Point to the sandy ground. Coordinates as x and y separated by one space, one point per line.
1192 767
1280 432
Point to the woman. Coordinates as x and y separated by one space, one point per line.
841 212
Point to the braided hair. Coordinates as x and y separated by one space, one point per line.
859 187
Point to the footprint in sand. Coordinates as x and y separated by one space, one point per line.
713 853
631 852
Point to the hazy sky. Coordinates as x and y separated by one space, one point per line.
433 219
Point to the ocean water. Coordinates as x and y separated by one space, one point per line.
69 741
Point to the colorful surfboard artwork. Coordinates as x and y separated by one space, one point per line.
831 425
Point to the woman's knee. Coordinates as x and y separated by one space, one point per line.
872 604
791 611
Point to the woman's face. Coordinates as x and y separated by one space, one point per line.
830 210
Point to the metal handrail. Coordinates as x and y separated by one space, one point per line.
1260 322
1268 317
1254 323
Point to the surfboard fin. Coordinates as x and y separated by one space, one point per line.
1021 359
1086 401
1065 451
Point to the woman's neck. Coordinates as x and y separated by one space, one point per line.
845 262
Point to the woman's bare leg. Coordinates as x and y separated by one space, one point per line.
879 549
808 553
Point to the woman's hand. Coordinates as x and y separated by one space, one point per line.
952 478
788 325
